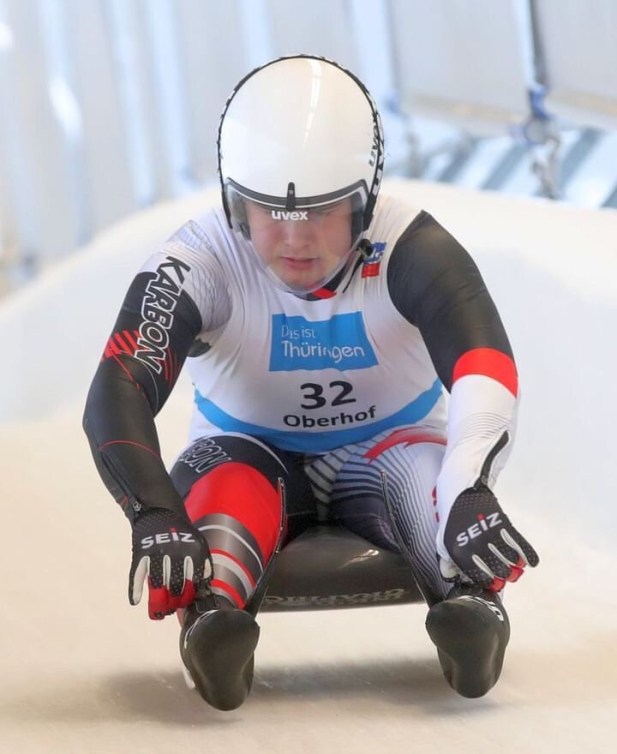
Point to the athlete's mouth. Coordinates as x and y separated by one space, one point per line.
294 262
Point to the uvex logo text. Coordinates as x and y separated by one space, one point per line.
171 536
281 214
162 293
475 530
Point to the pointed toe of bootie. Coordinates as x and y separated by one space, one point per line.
471 633
217 648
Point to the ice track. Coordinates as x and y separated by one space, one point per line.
82 671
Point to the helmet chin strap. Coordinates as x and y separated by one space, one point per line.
365 247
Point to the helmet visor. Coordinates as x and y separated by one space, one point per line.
351 200
301 242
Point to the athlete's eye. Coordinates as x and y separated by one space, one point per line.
261 209
319 213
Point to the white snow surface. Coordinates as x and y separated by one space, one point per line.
82 671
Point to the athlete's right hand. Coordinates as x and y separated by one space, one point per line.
173 555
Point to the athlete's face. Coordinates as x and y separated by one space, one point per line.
301 248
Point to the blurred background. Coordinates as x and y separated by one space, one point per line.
506 112
111 106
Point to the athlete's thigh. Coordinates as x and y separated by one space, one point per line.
208 455
409 472
231 486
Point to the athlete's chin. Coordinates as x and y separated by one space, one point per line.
300 280
302 286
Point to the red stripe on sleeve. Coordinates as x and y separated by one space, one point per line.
122 344
131 338
490 363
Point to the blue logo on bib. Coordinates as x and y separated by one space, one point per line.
336 343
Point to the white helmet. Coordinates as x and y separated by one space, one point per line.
300 132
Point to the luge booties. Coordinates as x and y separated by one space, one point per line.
470 629
217 648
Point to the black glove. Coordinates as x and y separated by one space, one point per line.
173 554
482 543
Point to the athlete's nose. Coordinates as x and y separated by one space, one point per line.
296 233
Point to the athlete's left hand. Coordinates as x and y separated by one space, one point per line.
480 544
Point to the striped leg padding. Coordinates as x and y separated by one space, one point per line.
239 512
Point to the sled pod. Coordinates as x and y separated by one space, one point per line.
329 567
